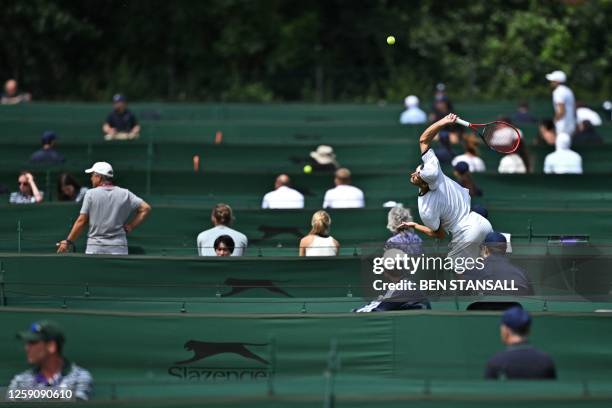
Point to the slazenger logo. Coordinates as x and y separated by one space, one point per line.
240 285
204 349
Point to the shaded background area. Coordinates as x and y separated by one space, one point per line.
320 50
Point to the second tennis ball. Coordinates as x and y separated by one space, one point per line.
308 169
390 40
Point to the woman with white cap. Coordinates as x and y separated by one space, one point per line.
444 206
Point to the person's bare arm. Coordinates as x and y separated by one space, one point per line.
431 132
304 242
141 213
135 130
440 234
108 129
337 244
560 111
77 229
35 192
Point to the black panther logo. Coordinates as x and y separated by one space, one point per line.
205 349
240 285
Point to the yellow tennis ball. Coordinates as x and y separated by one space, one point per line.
390 40
308 169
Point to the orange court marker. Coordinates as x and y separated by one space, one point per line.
218 137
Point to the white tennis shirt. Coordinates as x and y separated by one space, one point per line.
447 203
567 124
344 196
283 197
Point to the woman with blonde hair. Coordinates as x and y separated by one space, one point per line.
318 242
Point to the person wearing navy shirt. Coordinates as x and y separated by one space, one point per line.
47 154
121 123
520 360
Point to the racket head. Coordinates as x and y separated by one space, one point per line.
501 136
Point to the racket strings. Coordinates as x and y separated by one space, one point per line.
501 137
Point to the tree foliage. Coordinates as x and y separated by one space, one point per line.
283 50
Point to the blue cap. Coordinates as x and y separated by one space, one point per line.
479 209
495 237
462 167
48 136
517 319
119 98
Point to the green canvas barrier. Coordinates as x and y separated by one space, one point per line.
272 159
140 347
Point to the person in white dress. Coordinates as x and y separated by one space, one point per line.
318 242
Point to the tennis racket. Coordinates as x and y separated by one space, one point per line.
499 136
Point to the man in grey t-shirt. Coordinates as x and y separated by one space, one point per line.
106 208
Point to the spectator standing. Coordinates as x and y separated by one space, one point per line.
224 245
51 371
564 103
520 360
283 196
68 189
413 115
47 154
121 123
11 94
221 218
318 242
404 238
28 190
344 195
471 155
563 160
106 208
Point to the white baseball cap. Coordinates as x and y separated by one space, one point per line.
101 168
557 76
411 101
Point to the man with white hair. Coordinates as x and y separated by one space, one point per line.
564 103
107 209
413 115
563 160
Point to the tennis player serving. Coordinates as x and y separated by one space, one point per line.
444 206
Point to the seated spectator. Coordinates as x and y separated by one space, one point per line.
515 163
583 113
318 242
11 94
547 132
50 370
68 189
563 160
221 217
344 195
397 299
522 114
283 196
121 124
224 245
28 191
497 266
47 154
404 238
471 155
586 134
413 115
464 178
520 360
323 159
444 152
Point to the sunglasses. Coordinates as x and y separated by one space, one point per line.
23 184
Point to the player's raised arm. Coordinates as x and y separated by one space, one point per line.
432 131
